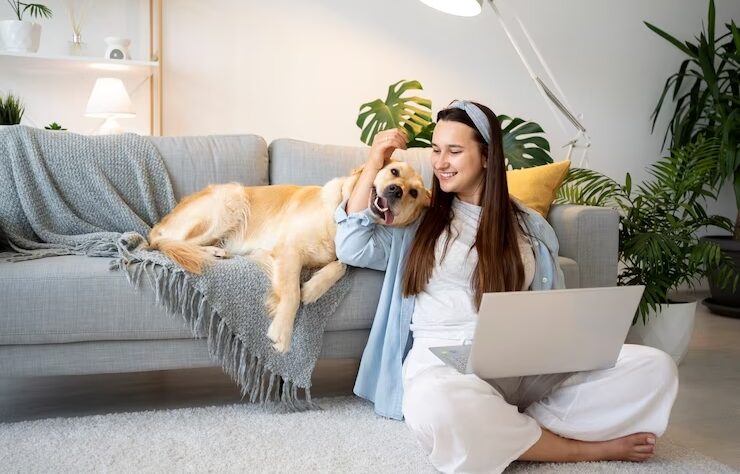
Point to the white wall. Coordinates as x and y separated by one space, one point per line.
292 68
60 94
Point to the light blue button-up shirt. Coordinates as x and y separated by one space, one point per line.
360 242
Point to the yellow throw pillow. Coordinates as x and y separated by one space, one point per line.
536 187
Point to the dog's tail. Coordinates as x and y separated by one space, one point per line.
189 256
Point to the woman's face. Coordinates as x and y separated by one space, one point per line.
457 161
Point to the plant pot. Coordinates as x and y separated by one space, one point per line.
668 330
724 301
20 36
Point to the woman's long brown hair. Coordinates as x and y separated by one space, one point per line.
499 266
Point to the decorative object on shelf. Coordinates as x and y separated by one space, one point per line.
11 110
109 100
21 36
524 142
54 126
556 101
77 10
710 107
658 223
117 48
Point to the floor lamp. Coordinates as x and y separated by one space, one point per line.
473 7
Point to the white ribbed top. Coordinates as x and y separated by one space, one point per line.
446 307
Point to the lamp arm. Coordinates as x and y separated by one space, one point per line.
581 138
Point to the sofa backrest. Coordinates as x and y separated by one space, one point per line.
305 163
195 162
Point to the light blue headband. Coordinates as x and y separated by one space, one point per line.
476 115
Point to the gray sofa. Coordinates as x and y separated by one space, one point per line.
71 315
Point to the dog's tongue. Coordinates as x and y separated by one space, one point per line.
382 205
388 217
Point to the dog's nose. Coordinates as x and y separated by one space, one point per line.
394 191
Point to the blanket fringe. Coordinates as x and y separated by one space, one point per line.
173 291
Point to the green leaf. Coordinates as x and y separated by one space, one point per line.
423 138
524 143
36 10
670 39
411 113
735 36
710 25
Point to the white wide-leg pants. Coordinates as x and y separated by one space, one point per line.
466 425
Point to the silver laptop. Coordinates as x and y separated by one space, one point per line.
545 332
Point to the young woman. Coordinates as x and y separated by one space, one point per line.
475 239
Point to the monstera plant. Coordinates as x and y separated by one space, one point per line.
524 142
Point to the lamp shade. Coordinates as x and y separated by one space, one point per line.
456 7
109 99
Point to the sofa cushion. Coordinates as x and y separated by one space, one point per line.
75 298
195 162
537 186
305 163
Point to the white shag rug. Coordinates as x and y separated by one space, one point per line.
344 437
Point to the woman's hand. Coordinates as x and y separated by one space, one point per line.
384 143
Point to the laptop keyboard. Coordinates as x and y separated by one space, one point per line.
458 357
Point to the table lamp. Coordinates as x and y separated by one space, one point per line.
474 7
109 100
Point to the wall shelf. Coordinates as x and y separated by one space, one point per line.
42 76
48 63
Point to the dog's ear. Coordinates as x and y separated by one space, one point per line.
429 195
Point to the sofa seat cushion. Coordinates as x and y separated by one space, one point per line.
76 298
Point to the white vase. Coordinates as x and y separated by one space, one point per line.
668 330
20 36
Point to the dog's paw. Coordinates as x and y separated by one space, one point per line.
217 252
310 292
280 335
271 304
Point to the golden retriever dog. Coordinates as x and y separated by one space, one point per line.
284 228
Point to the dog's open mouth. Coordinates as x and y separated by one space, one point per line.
381 208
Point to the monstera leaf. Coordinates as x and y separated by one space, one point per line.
524 145
414 114
423 139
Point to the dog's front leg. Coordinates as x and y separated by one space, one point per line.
285 298
321 281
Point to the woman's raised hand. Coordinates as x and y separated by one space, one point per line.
384 143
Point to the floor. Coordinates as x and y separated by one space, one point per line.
706 415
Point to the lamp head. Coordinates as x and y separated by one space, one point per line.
456 7
109 99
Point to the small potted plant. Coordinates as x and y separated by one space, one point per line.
54 126
658 246
11 110
20 36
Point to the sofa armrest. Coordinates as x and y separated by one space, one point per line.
590 236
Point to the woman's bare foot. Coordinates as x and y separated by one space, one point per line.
635 447
553 448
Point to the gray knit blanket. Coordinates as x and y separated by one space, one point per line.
63 193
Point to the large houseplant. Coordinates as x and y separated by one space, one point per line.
659 218
706 91
524 142
22 36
